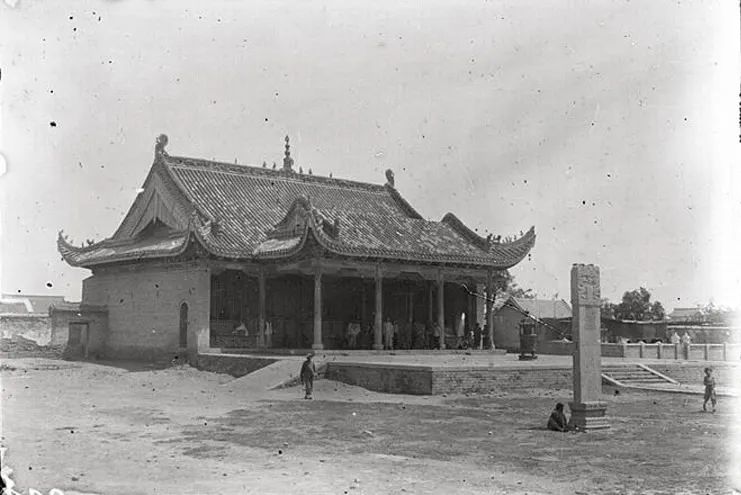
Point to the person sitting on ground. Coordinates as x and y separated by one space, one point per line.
557 421
709 382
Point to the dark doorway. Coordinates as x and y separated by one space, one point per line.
184 325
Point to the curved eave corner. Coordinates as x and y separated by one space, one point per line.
106 252
70 253
507 255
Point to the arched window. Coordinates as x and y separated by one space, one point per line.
184 325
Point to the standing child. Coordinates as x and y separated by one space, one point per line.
709 382
308 370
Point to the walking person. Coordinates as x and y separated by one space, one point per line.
709 382
308 371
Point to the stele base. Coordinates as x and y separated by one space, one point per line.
588 416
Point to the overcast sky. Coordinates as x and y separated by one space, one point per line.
611 126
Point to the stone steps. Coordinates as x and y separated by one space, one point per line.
633 375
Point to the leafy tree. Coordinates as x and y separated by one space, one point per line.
607 309
504 283
717 315
636 305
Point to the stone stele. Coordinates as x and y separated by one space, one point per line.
587 411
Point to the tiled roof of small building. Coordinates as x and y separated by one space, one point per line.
544 308
244 212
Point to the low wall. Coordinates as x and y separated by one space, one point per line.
694 352
413 380
231 364
33 327
427 380
555 348
485 380
686 372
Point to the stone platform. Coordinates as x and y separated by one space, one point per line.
444 372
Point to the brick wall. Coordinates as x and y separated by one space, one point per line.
34 327
414 380
425 380
484 380
97 329
143 305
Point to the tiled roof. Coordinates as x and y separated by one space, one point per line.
243 212
685 313
544 308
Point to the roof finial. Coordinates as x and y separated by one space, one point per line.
287 160
159 146
390 177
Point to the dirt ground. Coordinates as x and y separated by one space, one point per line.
119 428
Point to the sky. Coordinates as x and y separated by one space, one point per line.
611 126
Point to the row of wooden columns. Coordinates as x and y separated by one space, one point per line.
378 322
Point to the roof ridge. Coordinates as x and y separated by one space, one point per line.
254 170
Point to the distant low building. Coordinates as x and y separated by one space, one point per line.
27 315
684 315
20 304
552 318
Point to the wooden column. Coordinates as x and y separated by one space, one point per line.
261 307
318 310
363 307
378 321
430 299
441 308
489 301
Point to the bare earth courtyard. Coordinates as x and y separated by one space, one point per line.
111 428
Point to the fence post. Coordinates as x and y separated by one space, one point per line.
676 350
687 351
707 352
625 350
642 350
725 351
658 350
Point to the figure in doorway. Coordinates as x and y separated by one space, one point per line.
268 334
308 371
460 331
388 334
436 331
477 336
353 330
